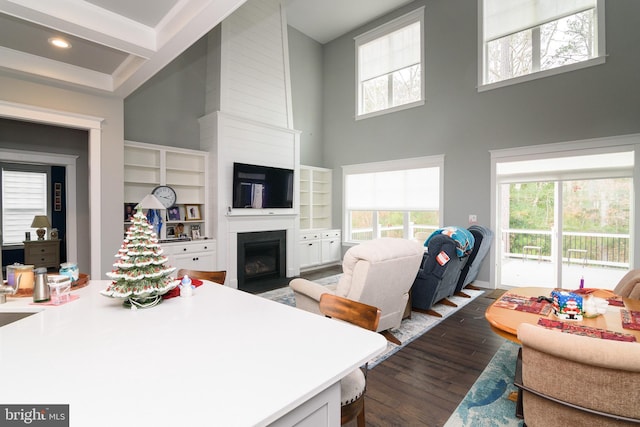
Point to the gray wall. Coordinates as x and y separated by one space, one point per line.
464 124
305 62
165 110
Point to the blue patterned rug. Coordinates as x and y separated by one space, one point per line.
487 404
409 330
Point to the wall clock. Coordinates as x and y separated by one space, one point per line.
166 195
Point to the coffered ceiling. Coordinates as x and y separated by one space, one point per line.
117 45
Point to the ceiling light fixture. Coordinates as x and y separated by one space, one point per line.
59 42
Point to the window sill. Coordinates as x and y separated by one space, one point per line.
391 110
542 74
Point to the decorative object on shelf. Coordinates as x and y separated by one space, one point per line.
166 195
173 213
171 231
193 212
27 235
140 275
179 231
41 222
53 234
129 211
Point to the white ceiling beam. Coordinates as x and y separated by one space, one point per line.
43 67
84 20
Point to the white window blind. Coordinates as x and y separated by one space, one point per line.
24 195
504 17
395 51
410 190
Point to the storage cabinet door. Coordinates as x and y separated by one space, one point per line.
204 261
309 253
331 250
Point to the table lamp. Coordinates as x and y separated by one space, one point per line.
41 222
150 202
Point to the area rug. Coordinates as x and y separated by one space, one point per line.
487 403
409 330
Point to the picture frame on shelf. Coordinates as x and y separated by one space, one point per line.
192 212
129 211
195 234
171 231
173 213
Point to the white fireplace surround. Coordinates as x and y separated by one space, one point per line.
249 224
249 120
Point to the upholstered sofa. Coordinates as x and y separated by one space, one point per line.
629 285
574 380
379 272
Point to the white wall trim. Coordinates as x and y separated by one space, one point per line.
93 125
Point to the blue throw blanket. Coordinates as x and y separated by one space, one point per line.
463 238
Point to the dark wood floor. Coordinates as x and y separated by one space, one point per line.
423 383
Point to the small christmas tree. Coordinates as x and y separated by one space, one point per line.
140 274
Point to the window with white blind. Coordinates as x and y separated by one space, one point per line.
392 199
24 195
389 66
522 40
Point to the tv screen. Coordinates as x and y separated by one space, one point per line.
258 187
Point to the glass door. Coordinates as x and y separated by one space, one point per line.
527 224
596 225
562 233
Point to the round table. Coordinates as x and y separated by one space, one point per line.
505 321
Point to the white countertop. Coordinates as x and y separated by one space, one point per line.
220 358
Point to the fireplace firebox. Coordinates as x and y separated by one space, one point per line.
262 259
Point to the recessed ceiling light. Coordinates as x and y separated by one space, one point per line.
59 42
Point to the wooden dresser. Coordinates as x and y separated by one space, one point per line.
42 253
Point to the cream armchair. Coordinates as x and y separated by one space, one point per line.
379 272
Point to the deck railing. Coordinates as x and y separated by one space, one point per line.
606 249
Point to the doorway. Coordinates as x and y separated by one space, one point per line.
564 220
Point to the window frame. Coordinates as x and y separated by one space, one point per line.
400 22
27 168
435 161
599 59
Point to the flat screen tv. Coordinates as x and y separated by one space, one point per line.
258 187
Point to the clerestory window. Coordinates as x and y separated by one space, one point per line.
389 66
527 39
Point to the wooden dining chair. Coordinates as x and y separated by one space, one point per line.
212 276
352 387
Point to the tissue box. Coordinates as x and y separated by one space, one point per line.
567 305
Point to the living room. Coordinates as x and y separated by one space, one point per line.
457 120
585 108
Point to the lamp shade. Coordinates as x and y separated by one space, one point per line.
40 221
150 202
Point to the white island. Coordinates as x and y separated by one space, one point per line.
220 358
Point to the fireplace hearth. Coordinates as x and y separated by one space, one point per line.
262 259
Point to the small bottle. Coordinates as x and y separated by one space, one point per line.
582 282
185 287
